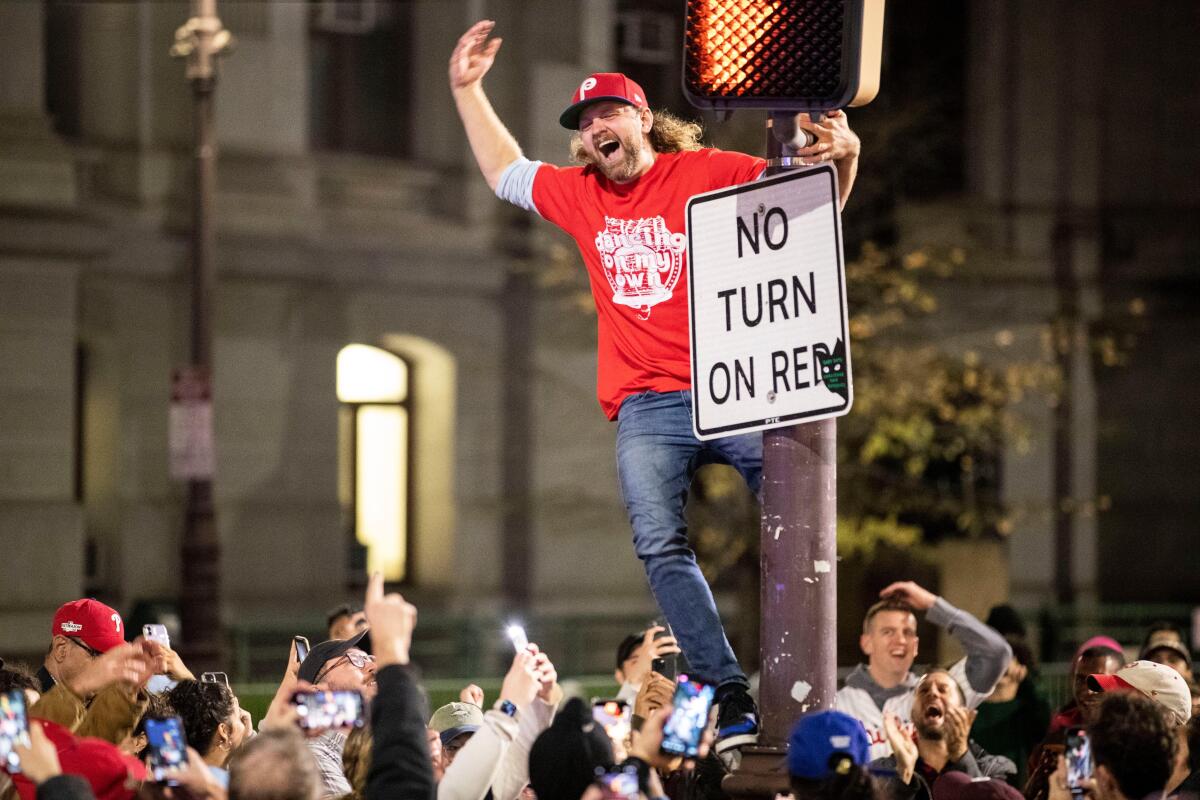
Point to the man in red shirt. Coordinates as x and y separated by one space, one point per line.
625 209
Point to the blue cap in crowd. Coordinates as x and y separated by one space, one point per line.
825 743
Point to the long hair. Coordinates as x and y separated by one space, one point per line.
668 134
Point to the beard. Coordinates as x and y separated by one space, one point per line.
929 731
627 166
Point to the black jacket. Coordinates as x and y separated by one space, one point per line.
976 762
400 764
65 787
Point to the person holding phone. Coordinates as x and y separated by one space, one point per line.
625 210
337 665
1133 746
213 720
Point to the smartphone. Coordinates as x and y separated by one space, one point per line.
689 717
318 709
614 717
516 634
301 645
1079 760
216 677
166 748
668 665
14 728
156 633
618 783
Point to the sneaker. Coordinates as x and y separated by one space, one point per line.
737 721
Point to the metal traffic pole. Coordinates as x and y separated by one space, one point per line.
200 40
798 569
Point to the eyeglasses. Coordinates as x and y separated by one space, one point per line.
607 116
91 651
355 657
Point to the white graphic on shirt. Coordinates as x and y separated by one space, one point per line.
642 261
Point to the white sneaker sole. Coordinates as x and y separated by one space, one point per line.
734 742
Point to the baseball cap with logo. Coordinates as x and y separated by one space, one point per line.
597 88
454 719
825 743
1160 683
90 621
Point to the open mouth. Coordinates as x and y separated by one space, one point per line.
608 148
934 714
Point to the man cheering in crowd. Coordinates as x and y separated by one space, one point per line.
625 209
884 685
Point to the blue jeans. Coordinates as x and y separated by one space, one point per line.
657 455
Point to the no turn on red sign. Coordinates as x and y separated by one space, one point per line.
767 304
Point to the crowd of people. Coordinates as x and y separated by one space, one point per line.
112 719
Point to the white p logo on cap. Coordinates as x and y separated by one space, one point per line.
588 83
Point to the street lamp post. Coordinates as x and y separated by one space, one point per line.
200 40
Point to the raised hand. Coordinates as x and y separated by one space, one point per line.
39 761
834 139
126 664
392 621
547 677
903 746
911 593
471 694
657 691
649 650
473 55
523 682
958 729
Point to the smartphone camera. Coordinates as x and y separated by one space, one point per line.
166 748
1079 760
614 717
156 633
618 783
14 728
668 665
320 710
516 635
689 717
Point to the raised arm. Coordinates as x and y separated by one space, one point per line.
491 143
987 652
835 142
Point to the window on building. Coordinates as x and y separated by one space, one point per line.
361 67
374 466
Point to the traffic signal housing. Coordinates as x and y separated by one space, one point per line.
783 55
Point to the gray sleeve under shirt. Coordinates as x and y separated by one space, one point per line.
516 183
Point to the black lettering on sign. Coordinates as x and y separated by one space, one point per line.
754 237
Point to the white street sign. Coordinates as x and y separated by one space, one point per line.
767 304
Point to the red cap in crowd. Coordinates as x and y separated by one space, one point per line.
90 621
112 774
597 88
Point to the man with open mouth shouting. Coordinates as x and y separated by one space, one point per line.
884 686
943 744
625 209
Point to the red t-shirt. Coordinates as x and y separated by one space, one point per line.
634 245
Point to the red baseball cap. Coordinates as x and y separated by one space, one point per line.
598 87
97 625
112 774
